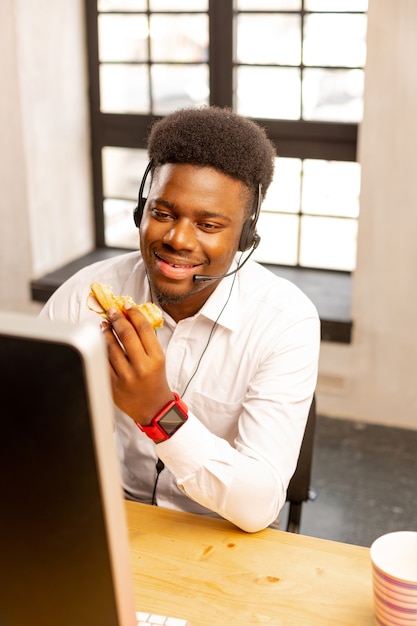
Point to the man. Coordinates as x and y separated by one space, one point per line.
240 352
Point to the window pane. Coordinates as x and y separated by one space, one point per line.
121 5
269 39
124 89
178 5
279 239
284 192
123 37
178 86
120 230
123 169
340 5
328 243
268 92
179 38
263 5
333 95
331 188
335 40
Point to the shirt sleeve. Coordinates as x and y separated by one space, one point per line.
65 303
217 476
246 482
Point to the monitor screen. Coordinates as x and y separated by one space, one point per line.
61 500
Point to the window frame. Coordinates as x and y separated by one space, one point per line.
330 290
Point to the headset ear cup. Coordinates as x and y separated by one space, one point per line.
247 235
139 208
138 211
137 216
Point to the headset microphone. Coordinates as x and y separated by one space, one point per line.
202 278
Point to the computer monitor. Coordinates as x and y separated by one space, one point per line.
64 553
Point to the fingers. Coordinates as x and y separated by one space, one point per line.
132 341
115 351
131 326
137 364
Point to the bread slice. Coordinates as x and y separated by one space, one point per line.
101 298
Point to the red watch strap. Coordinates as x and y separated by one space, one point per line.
154 430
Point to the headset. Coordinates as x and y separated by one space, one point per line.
248 237
139 208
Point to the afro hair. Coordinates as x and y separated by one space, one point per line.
214 137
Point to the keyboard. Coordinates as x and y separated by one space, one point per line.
150 619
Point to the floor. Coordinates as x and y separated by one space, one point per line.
365 480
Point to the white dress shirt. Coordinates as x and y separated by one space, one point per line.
245 365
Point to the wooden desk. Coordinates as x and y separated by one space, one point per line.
210 572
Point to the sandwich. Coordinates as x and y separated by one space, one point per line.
101 298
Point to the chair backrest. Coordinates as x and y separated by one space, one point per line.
299 487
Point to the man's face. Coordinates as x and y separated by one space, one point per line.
191 225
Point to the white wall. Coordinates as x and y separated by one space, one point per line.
15 246
375 378
45 202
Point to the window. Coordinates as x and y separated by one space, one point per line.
295 66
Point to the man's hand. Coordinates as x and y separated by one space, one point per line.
137 365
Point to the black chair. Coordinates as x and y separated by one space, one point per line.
299 489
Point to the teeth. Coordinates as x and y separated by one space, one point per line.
176 265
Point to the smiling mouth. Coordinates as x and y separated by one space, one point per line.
184 266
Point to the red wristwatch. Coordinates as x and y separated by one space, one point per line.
167 421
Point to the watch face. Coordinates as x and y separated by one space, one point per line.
171 421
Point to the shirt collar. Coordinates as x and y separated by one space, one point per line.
225 295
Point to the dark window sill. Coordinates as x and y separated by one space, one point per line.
329 290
